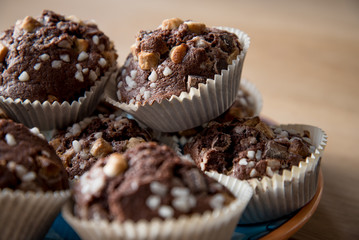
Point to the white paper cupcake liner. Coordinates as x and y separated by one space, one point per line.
196 107
254 95
47 116
283 194
218 224
29 215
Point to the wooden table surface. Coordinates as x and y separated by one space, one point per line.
304 58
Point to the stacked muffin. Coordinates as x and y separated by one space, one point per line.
181 80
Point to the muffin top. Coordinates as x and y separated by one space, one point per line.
82 144
28 162
173 58
147 181
52 58
248 148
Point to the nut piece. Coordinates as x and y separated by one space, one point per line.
29 24
134 141
194 81
74 19
232 56
265 129
52 98
3 52
196 27
81 45
100 148
111 56
252 122
177 53
55 143
134 50
274 164
116 164
148 60
172 23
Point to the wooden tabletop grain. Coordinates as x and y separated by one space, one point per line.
304 58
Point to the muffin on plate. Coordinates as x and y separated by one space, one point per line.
181 69
83 143
33 182
53 69
149 192
275 160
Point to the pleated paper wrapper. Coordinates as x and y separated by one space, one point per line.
283 194
217 224
48 116
29 215
195 107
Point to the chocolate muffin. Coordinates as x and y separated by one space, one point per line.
28 162
248 148
174 58
52 58
82 144
146 182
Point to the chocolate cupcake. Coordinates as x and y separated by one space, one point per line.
33 182
150 189
82 144
173 73
274 159
53 69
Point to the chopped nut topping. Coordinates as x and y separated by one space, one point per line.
194 81
100 148
148 60
134 50
172 23
111 56
196 27
177 53
74 19
233 56
265 129
3 52
51 98
134 141
81 45
29 24
115 165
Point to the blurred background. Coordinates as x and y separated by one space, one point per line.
304 58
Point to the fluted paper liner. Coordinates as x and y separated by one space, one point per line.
217 224
254 94
190 109
283 194
47 116
29 215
